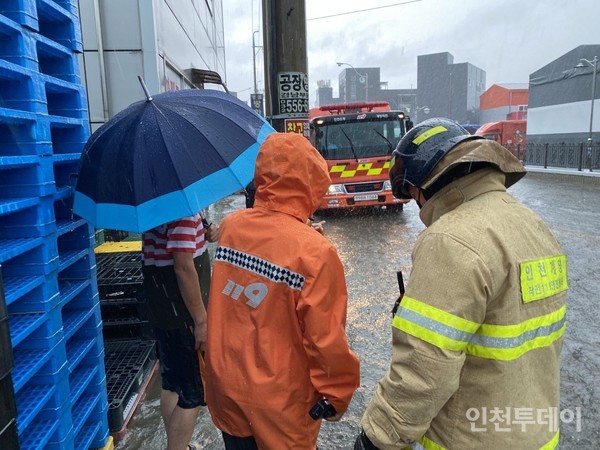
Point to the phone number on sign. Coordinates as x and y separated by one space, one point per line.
293 105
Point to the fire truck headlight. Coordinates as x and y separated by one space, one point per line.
335 189
387 185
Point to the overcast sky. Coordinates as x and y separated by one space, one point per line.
509 39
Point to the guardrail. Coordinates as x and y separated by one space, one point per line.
569 156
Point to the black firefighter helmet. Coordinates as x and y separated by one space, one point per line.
419 151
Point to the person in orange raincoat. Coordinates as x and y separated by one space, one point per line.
276 322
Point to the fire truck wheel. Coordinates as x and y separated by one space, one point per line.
396 208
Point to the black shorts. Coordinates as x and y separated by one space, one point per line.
180 366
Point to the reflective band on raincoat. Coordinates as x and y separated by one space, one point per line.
500 342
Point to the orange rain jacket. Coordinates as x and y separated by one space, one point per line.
277 310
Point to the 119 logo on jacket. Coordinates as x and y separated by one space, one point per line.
254 292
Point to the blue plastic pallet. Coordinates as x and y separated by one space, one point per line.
26 90
65 174
80 379
58 442
21 89
71 288
79 265
9 248
82 236
23 12
85 438
35 294
74 318
59 24
46 249
37 361
37 435
15 47
65 226
68 137
85 345
28 133
30 401
27 218
22 325
26 176
46 335
24 133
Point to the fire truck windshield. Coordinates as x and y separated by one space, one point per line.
354 139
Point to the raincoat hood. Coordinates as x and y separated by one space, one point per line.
481 150
290 175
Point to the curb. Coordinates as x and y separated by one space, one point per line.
569 175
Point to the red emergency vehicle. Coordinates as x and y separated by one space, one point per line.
512 134
357 140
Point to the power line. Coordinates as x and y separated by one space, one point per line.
363 10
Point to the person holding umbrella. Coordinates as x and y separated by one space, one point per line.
277 347
175 257
149 170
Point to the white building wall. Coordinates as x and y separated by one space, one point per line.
566 118
157 39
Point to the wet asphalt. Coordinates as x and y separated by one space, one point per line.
373 245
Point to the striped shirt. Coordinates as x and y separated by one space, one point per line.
184 235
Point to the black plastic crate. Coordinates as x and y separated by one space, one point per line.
115 235
6 352
120 275
128 363
126 328
8 405
9 437
3 310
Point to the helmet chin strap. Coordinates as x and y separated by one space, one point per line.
419 198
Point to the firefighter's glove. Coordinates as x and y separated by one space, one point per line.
363 442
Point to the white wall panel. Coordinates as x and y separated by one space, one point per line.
563 119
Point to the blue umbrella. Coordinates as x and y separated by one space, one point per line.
167 157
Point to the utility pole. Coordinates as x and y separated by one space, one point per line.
286 78
254 61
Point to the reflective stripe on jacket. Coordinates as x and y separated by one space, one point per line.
478 336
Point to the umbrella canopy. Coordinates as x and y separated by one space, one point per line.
167 157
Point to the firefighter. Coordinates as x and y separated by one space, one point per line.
276 323
478 335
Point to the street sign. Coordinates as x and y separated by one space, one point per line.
293 94
300 126
257 103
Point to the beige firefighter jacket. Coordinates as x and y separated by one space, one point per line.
478 336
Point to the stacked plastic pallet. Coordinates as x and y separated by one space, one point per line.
130 350
46 253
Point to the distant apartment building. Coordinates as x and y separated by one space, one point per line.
364 84
444 89
560 99
504 101
447 89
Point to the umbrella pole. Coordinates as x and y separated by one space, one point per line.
144 88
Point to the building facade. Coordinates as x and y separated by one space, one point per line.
560 99
447 89
504 101
161 40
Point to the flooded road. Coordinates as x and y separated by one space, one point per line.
374 246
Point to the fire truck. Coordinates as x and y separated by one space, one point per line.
357 140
